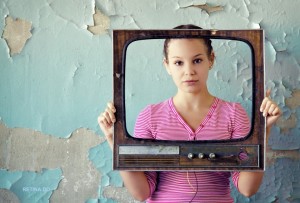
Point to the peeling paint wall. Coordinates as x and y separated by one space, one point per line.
56 77
16 33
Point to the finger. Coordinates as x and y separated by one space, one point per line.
268 93
111 106
102 121
276 112
106 114
108 121
110 114
273 118
272 108
265 100
263 104
267 107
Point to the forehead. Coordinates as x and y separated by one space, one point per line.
181 45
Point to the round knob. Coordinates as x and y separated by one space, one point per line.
212 155
190 155
201 156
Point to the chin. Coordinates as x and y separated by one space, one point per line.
193 91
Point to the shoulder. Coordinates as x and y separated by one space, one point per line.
234 112
148 118
231 111
230 107
158 108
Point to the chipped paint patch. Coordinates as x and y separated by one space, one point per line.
29 150
286 124
272 155
101 23
291 122
294 101
101 157
8 196
31 186
16 33
119 194
208 8
280 184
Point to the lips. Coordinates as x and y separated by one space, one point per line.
190 82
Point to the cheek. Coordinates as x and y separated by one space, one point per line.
176 77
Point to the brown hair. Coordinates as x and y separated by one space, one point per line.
207 41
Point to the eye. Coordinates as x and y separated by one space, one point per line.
196 61
178 63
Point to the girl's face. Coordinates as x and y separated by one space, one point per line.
189 63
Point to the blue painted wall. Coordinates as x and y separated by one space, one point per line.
62 78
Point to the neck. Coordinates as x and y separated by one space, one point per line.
193 101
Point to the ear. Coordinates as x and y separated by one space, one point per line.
166 64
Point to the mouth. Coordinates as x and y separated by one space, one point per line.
190 82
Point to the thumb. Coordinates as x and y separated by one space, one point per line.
268 93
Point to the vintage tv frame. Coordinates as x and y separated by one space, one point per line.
142 154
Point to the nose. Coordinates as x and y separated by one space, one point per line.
190 69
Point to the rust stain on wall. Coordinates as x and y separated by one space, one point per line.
16 33
101 23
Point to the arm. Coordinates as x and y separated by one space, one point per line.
135 181
249 182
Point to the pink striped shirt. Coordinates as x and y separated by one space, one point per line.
225 120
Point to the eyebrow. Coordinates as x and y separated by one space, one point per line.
193 56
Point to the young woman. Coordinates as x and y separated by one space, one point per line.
194 114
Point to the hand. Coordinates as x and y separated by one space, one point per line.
270 110
107 119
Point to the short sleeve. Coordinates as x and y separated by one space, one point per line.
241 124
241 128
142 128
152 180
235 175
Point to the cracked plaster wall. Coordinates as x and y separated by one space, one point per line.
54 86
